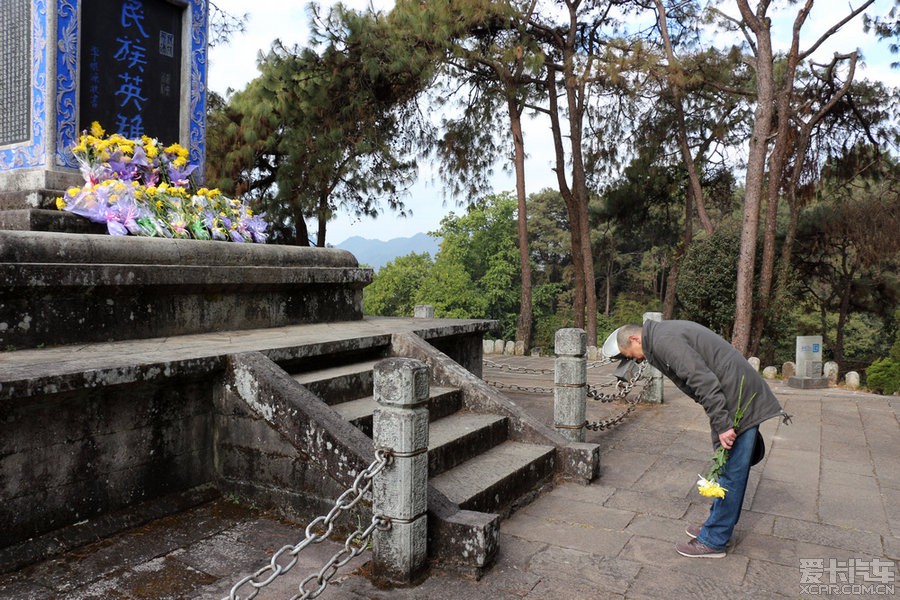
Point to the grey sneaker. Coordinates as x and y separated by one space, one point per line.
693 530
694 549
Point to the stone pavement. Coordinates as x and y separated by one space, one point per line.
828 489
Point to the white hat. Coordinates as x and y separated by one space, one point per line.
611 346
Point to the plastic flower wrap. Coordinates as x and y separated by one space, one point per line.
140 187
709 486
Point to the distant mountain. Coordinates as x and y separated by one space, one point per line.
377 253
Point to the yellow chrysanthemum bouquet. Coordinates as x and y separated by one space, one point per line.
709 486
141 187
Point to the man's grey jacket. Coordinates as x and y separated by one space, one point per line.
710 370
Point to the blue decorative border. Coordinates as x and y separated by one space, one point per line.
199 48
67 39
33 153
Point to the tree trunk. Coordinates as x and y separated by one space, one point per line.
755 180
575 96
523 323
571 208
301 235
695 188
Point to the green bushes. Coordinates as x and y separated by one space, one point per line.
883 375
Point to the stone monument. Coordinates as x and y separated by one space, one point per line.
808 363
138 67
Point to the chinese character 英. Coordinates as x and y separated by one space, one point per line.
131 91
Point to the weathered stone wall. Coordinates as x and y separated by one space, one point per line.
68 457
58 288
257 463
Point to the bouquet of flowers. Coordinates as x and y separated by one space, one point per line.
141 187
709 486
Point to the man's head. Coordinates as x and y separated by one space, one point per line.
624 342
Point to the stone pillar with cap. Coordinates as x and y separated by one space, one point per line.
400 490
654 393
570 379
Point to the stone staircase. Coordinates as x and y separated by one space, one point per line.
471 458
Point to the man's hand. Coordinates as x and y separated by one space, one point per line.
727 438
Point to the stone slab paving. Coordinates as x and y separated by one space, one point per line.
829 489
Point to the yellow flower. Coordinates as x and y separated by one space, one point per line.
710 489
96 130
151 150
60 203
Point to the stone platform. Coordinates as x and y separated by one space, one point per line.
829 490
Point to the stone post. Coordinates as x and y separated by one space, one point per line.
788 370
423 311
830 370
852 380
654 393
570 379
400 490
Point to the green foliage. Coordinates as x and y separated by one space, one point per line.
395 288
451 290
884 376
546 327
707 281
327 126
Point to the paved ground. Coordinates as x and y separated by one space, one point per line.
828 491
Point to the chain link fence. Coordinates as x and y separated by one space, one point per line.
356 543
622 388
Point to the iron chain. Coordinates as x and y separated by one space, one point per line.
286 557
505 367
624 389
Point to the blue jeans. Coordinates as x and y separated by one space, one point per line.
725 512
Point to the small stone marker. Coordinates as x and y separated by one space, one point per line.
754 362
423 311
788 370
770 373
809 363
831 372
852 380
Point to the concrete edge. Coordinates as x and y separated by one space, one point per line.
41 247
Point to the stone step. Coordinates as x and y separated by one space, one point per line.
442 401
492 481
461 436
340 384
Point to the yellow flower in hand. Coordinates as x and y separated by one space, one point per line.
710 489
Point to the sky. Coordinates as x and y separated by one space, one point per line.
233 65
